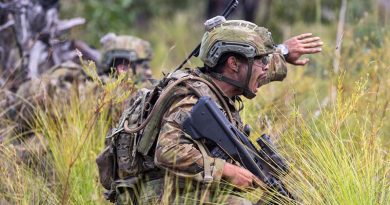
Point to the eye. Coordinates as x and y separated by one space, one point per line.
265 60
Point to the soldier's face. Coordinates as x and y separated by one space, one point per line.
122 68
259 72
121 65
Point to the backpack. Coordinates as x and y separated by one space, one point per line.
129 146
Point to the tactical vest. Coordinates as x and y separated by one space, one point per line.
129 148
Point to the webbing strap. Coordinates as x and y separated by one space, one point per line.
208 177
221 77
207 171
166 92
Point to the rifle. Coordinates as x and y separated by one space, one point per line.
206 121
228 10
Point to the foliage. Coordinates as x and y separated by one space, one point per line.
332 127
122 17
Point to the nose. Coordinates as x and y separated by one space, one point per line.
266 67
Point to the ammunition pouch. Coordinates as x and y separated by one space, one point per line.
130 163
106 166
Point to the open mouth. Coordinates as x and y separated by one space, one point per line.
258 84
260 80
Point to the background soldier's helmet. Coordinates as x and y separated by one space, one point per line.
126 47
235 36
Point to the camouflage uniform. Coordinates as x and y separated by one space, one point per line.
55 84
178 153
135 50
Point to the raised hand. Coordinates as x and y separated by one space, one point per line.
301 45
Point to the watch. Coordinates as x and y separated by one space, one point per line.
283 49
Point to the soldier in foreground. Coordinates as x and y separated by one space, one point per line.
239 57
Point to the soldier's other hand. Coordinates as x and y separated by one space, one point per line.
238 176
301 45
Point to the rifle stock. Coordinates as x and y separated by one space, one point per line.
206 121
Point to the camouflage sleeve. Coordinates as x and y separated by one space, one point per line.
177 152
278 67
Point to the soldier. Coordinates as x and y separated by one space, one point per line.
59 84
237 57
126 53
55 84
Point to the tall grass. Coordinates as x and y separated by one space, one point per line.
337 149
72 129
336 158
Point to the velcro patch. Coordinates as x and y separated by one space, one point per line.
180 116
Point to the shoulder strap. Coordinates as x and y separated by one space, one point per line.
153 120
216 92
168 92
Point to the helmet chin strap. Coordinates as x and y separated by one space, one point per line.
243 86
247 92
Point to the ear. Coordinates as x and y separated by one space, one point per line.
232 63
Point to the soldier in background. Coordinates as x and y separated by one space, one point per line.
59 84
124 53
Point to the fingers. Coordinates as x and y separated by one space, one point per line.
311 50
243 178
312 45
309 40
303 36
301 62
238 176
258 183
247 175
300 45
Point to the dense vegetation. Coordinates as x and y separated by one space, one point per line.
330 118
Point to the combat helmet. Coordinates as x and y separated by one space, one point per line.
127 47
235 36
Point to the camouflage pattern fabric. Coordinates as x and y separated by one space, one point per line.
137 51
141 47
161 191
237 31
181 175
56 85
179 154
277 69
